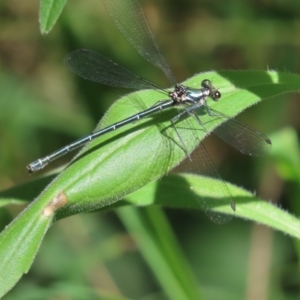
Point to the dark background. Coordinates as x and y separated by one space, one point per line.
43 107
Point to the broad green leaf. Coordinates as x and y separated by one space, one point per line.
121 162
49 13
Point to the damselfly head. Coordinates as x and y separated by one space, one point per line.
213 92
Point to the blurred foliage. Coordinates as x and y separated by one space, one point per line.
43 106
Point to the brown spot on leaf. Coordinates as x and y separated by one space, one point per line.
58 201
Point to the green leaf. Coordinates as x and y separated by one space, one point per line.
49 13
173 191
19 244
121 162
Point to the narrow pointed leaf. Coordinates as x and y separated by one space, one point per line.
50 10
173 191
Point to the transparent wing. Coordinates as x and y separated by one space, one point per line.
131 21
93 66
244 138
240 136
200 163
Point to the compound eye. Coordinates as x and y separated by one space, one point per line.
206 83
216 96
